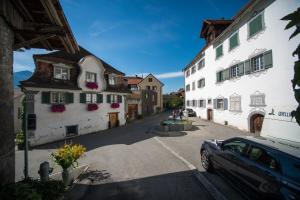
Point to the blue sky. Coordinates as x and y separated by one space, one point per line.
141 36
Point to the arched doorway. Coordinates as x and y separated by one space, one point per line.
256 122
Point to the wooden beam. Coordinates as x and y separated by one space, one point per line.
10 14
33 41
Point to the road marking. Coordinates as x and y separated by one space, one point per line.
201 178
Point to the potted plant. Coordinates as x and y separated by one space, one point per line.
20 138
115 105
92 107
91 85
67 157
58 108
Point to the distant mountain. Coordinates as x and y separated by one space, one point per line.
21 76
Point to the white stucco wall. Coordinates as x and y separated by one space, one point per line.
51 126
274 82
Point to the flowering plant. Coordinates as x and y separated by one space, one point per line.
115 105
58 108
92 85
68 155
92 107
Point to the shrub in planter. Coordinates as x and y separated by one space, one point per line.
92 107
67 157
115 105
20 138
92 85
58 108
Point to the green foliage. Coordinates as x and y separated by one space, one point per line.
294 21
20 138
175 102
30 189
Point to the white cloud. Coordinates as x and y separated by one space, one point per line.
169 75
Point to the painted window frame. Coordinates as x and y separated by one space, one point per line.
235 103
221 103
260 64
87 74
258 100
238 41
234 71
201 83
218 57
92 98
60 98
61 68
252 19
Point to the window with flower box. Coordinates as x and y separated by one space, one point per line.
91 77
91 98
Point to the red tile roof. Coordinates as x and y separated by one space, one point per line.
133 80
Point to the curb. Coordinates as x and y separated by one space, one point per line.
214 192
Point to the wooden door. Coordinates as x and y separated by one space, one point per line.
209 114
132 111
256 123
113 119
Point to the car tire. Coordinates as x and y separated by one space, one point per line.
205 161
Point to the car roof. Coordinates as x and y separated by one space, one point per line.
275 143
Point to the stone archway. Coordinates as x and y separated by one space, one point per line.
256 122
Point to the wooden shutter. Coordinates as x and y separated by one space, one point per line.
119 98
99 98
215 103
82 98
268 59
108 98
241 69
69 97
225 101
45 97
247 67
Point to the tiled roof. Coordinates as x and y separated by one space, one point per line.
133 80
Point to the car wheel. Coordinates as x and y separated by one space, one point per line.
205 161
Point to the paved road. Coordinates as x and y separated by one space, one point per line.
128 163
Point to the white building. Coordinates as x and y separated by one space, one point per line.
72 95
244 71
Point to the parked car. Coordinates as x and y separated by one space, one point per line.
191 112
260 167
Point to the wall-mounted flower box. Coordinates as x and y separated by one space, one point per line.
92 107
115 105
92 85
58 108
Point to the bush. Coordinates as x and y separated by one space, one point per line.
30 189
20 138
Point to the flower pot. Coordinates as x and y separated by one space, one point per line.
66 177
58 108
91 85
92 107
115 105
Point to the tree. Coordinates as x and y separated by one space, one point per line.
294 21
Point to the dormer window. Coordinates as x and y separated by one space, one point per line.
62 73
91 77
112 79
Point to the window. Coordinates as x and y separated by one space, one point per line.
201 83
57 97
154 87
236 146
91 98
187 87
193 70
219 76
91 77
201 64
71 130
133 87
193 86
187 103
235 103
187 74
234 71
148 87
150 79
146 95
201 103
61 73
257 99
194 103
263 158
233 41
220 103
257 63
219 51
208 101
112 80
113 98
255 25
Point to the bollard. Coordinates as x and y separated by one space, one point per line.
44 171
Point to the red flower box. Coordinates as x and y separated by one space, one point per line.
58 108
115 105
92 107
92 85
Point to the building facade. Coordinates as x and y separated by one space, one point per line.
18 110
245 68
73 94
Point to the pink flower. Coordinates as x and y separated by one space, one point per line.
92 85
92 107
115 105
58 108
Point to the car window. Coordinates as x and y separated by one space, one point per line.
235 146
263 157
291 168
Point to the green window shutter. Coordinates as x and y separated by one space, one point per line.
219 51
45 97
225 101
99 98
119 99
247 67
268 60
82 98
241 69
256 25
69 97
108 98
226 74
218 77
214 103
233 41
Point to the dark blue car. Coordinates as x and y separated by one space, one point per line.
261 168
